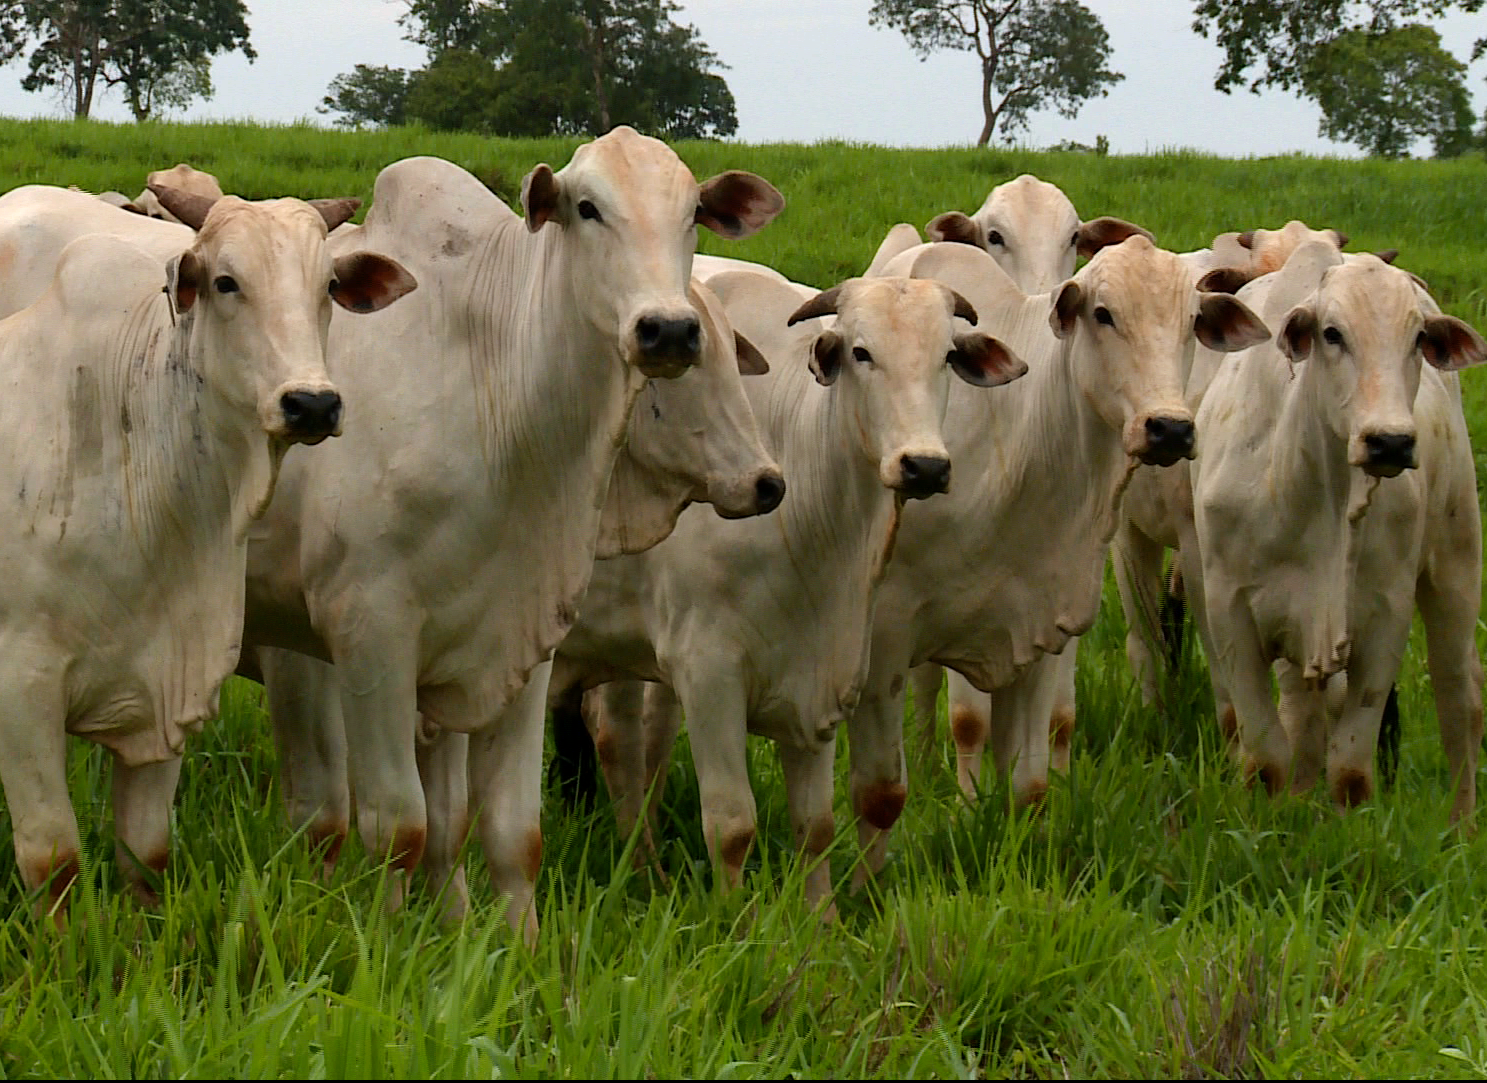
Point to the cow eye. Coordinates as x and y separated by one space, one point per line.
1332 336
587 210
995 237
1102 315
859 354
225 284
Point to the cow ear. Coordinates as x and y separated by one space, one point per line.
183 280
736 204
1298 333
539 196
1449 343
750 361
1225 280
1388 255
1102 232
1246 239
367 281
984 361
1066 304
133 208
956 227
1226 324
1342 240
826 357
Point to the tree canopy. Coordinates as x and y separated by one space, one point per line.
1035 54
543 67
156 53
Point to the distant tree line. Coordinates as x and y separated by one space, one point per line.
1376 69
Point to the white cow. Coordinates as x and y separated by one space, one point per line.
997 576
690 439
1031 229
148 412
1157 512
1335 493
439 555
761 626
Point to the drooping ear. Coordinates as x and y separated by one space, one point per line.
1246 239
1066 305
1225 279
1388 255
956 227
1450 344
1299 333
183 280
190 208
335 211
984 361
750 361
736 204
1101 232
368 281
1226 324
826 357
539 196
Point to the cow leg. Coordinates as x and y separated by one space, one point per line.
662 713
1449 612
1138 577
143 797
1238 658
304 707
1373 666
1061 723
879 774
1197 604
506 780
809 777
717 721
970 725
926 682
1019 725
33 773
379 704
443 767
1303 712
572 770
615 715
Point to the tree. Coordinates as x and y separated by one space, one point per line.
1386 90
1035 54
370 95
1278 38
568 67
156 51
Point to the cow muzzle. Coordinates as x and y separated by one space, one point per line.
1388 454
759 498
310 416
922 476
666 346
1165 440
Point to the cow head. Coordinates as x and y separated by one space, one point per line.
1032 230
258 285
1364 334
628 211
892 350
1133 318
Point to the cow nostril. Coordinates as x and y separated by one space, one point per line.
924 474
311 413
656 335
769 490
1390 448
1169 431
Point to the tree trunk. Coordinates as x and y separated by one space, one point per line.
987 110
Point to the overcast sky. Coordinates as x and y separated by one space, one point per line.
805 70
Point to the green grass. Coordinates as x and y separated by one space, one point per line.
1156 919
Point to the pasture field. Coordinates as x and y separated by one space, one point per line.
1155 919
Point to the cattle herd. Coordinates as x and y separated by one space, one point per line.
522 408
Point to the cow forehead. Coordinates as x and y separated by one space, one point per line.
1028 201
261 229
631 168
894 310
1140 280
1367 292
